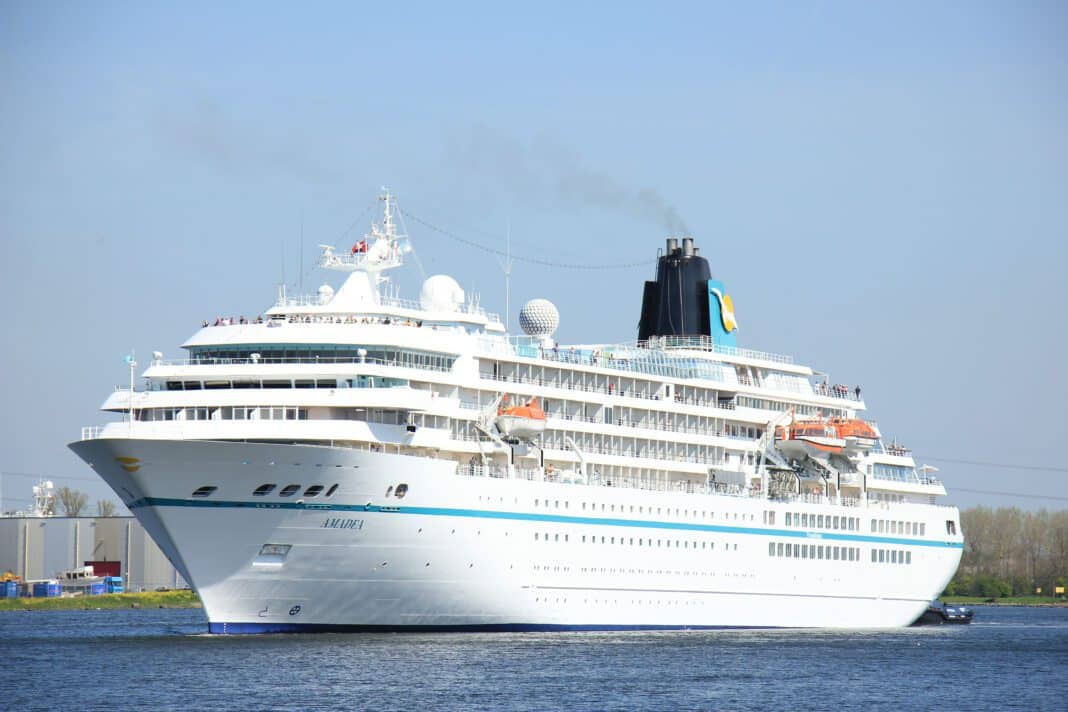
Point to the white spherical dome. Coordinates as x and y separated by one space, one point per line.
539 317
326 293
441 293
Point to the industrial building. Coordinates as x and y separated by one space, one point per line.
40 547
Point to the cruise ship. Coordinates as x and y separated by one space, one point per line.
355 461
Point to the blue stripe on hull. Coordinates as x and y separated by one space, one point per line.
265 628
810 535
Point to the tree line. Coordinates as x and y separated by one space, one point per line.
1009 552
74 502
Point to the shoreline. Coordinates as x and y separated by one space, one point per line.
1008 602
109 601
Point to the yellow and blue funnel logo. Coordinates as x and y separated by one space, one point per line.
723 323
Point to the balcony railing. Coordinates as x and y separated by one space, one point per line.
347 317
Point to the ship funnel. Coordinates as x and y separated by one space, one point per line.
684 300
676 304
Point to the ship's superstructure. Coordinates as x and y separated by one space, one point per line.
352 460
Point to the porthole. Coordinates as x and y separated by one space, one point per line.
389 490
330 492
313 491
204 491
289 490
263 490
402 489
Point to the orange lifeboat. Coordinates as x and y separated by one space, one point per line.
817 438
858 434
521 421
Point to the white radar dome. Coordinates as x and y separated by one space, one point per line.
441 293
539 317
326 293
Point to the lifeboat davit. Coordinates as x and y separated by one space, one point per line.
521 421
817 438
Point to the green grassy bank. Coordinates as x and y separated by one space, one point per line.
1006 601
150 599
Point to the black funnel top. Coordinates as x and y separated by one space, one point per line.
676 304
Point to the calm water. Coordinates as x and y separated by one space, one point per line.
155 659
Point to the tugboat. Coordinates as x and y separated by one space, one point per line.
939 613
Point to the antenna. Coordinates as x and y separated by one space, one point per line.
506 267
300 285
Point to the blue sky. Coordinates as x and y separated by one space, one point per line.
882 186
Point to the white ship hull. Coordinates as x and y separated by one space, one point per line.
477 553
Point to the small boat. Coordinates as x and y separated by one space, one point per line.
817 438
859 435
941 614
521 421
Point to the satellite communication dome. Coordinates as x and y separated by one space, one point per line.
539 317
441 293
326 293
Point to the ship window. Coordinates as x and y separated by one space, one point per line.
402 489
874 556
819 521
771 548
389 490
779 548
313 491
923 529
263 490
289 490
908 557
204 491
789 519
330 492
